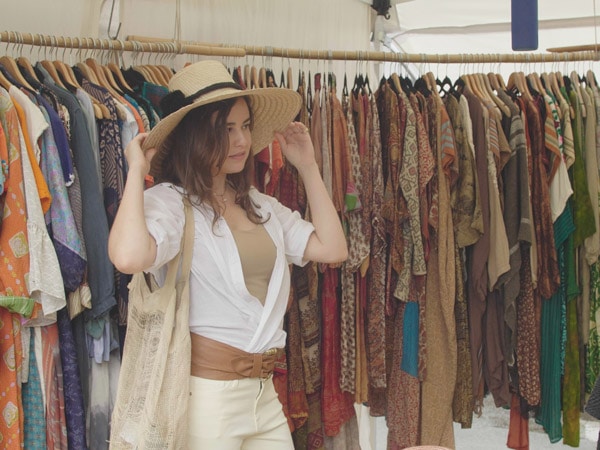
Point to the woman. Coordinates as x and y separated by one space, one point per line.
244 241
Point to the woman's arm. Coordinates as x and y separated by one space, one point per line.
131 248
328 243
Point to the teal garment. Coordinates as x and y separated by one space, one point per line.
551 367
410 339
34 429
582 205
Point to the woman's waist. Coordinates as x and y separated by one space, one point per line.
216 360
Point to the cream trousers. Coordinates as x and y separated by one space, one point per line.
236 415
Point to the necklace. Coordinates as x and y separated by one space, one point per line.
222 196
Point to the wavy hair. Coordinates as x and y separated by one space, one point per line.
198 144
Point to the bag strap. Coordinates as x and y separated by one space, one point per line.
186 249
188 238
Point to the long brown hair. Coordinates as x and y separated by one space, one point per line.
199 143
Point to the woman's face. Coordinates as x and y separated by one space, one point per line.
240 139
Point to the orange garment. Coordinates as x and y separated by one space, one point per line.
14 249
14 255
518 428
40 181
136 114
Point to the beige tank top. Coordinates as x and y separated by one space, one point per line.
257 254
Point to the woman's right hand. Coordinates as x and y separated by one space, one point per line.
138 159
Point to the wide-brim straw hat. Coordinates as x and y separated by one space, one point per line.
209 81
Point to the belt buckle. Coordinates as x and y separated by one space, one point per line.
270 352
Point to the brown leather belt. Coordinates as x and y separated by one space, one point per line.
217 361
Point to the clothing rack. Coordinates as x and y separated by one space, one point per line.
157 45
85 43
357 55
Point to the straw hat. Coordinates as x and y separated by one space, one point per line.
209 81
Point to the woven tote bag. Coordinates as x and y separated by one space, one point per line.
150 411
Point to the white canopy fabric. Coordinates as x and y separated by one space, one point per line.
471 26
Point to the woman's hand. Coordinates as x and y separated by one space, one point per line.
138 159
296 145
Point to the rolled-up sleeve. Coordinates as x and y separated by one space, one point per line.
165 218
296 232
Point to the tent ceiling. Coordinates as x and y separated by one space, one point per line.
471 26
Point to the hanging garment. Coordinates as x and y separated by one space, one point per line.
437 388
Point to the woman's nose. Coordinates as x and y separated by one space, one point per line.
239 137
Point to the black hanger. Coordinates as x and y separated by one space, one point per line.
271 79
407 85
531 88
444 86
421 86
345 88
368 85
458 87
568 84
331 81
359 82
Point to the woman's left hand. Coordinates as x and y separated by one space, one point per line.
296 145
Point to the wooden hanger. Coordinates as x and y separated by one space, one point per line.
591 79
166 72
11 65
46 64
156 75
99 71
517 80
289 81
548 81
253 78
4 82
100 109
262 77
24 63
247 76
67 74
493 80
430 80
111 79
396 82
88 73
121 79
490 92
465 78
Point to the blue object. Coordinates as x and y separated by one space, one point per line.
524 24
410 339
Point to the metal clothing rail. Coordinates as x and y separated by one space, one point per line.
354 55
157 45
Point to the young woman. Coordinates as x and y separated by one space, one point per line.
244 240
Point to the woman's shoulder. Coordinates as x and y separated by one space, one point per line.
261 198
166 191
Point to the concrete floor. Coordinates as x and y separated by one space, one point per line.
489 432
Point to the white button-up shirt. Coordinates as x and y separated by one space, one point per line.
221 308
